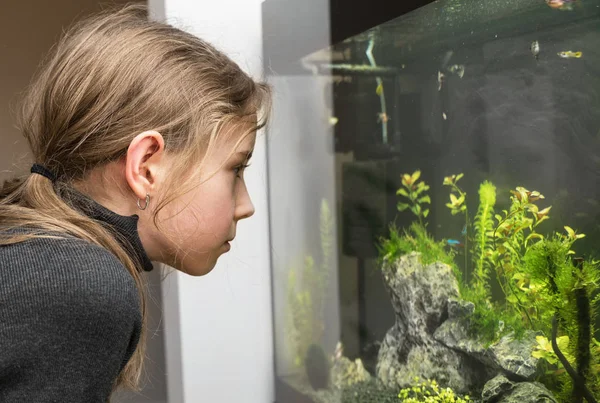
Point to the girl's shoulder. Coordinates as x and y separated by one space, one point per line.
67 266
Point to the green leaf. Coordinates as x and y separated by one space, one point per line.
415 176
425 199
402 206
425 213
458 177
402 192
570 231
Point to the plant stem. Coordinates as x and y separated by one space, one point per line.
577 381
466 245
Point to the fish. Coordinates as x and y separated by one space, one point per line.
563 5
454 242
333 120
457 69
444 115
379 89
440 80
464 230
567 54
535 49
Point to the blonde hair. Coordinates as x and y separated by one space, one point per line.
111 77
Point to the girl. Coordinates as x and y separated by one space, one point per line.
140 134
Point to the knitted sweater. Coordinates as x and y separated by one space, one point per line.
69 314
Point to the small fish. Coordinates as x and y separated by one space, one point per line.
454 242
333 120
457 69
567 54
464 230
383 117
563 5
535 49
440 80
379 89
444 115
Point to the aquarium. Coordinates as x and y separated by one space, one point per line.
434 186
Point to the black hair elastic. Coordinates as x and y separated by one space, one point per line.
42 170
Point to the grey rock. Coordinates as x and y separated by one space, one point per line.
453 333
502 390
496 388
514 356
420 295
459 309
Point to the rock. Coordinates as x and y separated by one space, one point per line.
345 373
453 333
419 296
459 309
508 356
496 388
514 356
502 390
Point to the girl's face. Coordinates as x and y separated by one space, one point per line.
198 227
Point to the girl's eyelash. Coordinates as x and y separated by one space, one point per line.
240 168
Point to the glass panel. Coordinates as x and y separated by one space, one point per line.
435 208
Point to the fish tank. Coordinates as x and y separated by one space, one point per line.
434 180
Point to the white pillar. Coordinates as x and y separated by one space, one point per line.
218 328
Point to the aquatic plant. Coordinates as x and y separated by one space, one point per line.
412 190
483 225
306 294
369 391
415 239
569 302
428 391
543 286
458 205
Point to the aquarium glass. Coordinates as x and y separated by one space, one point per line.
435 208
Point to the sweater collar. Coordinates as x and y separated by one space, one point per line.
125 228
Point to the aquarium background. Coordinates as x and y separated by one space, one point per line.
452 87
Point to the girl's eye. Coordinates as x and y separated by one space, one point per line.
239 169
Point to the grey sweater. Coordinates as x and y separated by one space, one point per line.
69 314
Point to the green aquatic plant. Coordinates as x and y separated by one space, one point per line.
483 225
515 231
458 205
543 287
413 191
306 291
415 239
428 391
368 391
568 304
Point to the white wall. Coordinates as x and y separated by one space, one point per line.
218 328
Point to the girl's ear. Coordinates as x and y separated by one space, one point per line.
143 162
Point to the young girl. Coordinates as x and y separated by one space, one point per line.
140 135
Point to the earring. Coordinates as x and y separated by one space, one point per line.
145 205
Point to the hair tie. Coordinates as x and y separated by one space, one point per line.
42 170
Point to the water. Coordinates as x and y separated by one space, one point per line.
452 88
